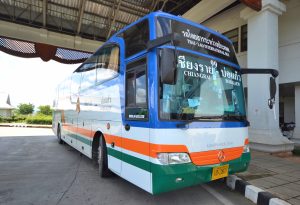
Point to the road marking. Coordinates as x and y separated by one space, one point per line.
217 195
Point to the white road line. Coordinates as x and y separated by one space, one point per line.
218 196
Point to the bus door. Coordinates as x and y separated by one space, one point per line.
135 131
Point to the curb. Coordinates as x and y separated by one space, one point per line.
253 193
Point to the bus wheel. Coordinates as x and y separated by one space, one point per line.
59 136
102 159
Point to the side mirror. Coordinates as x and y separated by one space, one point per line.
271 101
168 66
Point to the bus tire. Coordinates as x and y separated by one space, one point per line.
102 159
60 141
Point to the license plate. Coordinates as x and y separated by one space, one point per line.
220 172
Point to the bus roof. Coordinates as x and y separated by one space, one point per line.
177 18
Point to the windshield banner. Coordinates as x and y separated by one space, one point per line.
197 39
198 68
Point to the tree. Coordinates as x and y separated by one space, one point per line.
45 110
25 109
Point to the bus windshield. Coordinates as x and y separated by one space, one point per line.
204 89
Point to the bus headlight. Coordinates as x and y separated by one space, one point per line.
173 158
246 148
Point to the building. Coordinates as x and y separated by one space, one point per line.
268 37
5 105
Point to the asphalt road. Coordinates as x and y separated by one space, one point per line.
35 169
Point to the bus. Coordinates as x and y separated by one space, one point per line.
160 104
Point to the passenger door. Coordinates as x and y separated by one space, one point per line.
135 131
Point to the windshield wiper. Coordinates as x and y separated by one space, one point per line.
222 117
234 117
216 117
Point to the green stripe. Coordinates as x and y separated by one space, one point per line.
78 137
140 163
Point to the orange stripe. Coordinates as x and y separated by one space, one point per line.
85 132
143 148
246 141
151 150
109 139
81 131
69 127
136 146
211 157
156 148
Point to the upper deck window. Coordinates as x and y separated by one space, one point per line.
136 38
196 39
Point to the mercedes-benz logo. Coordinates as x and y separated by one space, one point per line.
221 156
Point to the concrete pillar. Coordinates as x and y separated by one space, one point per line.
296 136
264 132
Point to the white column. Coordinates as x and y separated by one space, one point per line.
296 136
264 132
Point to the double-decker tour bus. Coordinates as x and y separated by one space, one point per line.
161 104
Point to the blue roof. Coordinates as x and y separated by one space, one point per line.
177 18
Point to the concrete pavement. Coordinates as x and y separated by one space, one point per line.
14 132
37 170
278 175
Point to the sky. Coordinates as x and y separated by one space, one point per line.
31 80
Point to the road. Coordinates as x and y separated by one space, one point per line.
35 169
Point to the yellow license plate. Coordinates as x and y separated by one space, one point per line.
220 172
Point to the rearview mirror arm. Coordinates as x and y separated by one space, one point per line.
273 72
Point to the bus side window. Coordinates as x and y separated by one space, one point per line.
75 84
88 79
103 65
136 90
136 38
107 63
130 88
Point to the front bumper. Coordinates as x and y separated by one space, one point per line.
164 176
